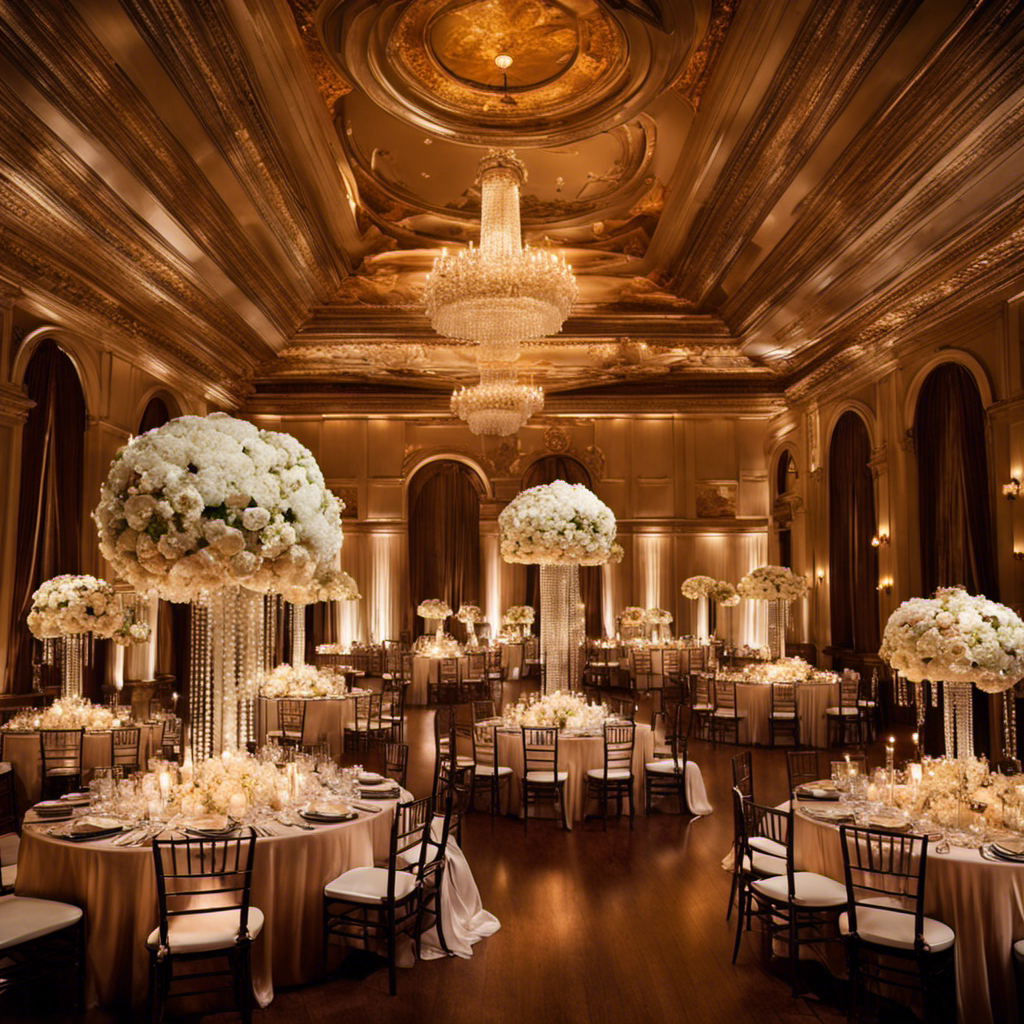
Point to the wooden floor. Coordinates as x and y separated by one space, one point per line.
613 926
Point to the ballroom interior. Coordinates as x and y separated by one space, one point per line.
793 234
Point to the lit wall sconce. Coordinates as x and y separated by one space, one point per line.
821 575
879 539
1012 489
1019 555
885 585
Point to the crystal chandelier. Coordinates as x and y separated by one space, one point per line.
499 404
501 291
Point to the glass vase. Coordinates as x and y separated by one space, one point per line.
561 627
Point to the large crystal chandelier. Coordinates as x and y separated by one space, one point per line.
499 404
501 291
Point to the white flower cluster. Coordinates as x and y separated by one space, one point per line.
785 670
218 779
772 583
303 681
948 785
658 616
956 637
723 593
329 584
65 713
697 586
132 632
205 502
469 613
616 553
632 616
433 608
74 604
556 522
519 615
567 711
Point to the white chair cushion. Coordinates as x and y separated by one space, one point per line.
889 928
809 890
611 773
787 715
728 713
464 761
5 767
10 843
195 933
23 918
764 864
63 771
545 776
664 766
842 711
489 769
762 844
8 875
1018 949
369 885
703 707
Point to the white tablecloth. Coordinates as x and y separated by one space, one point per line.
576 754
326 719
755 701
982 901
425 671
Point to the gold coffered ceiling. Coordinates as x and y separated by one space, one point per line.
754 196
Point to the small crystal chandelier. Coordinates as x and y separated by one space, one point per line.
501 291
499 404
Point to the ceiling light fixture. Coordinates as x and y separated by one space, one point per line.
503 61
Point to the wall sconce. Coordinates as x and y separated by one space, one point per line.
879 539
885 585
1019 555
1012 489
821 575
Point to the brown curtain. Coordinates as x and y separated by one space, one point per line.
954 505
853 561
444 537
546 471
50 497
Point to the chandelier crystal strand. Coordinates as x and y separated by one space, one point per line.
298 617
555 602
1009 723
577 630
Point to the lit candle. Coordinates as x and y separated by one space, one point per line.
237 805
187 769
872 791
165 786
915 774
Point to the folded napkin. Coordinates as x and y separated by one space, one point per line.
207 823
327 808
91 824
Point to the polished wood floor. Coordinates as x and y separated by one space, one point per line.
596 926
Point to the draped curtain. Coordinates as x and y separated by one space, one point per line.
546 471
444 537
853 562
50 499
954 504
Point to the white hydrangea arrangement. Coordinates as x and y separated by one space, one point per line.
328 584
567 711
433 608
303 681
772 583
204 502
74 604
698 586
657 616
956 637
132 632
469 613
616 553
724 594
632 616
556 523
519 615
65 713
218 779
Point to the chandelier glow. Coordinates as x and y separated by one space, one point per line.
498 404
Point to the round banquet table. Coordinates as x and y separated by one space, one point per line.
326 719
22 750
576 755
116 886
981 900
512 660
427 670
755 701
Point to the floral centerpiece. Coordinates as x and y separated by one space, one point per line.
567 711
469 615
65 713
724 594
74 604
696 587
436 611
132 632
260 784
785 670
632 616
658 616
772 583
303 681
327 584
205 502
519 615
616 553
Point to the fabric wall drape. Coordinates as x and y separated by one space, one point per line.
444 539
954 505
50 500
546 471
853 562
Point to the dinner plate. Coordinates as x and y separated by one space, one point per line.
380 792
832 814
1009 849
888 823
209 826
370 779
53 809
812 791
327 817
75 799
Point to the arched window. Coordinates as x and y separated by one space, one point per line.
546 471
785 479
50 496
444 536
853 561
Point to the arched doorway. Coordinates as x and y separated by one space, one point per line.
785 479
444 537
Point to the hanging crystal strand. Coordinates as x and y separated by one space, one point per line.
948 719
1009 724
200 680
298 617
934 688
964 721
919 709
577 630
554 626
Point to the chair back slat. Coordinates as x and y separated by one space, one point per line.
485 745
619 739
124 746
783 699
743 773
61 748
291 717
540 749
802 766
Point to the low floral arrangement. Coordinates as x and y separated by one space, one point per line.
132 632
217 779
519 615
433 608
567 711
956 637
204 502
724 594
697 586
74 604
785 670
66 713
556 523
632 616
657 616
469 613
328 584
772 583
303 681
434 646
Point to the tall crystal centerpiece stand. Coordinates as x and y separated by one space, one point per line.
958 719
561 627
778 613
72 651
298 619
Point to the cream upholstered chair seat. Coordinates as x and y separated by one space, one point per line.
809 889
886 927
369 885
546 776
764 864
25 919
199 932
609 773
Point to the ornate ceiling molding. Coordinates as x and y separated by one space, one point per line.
330 83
